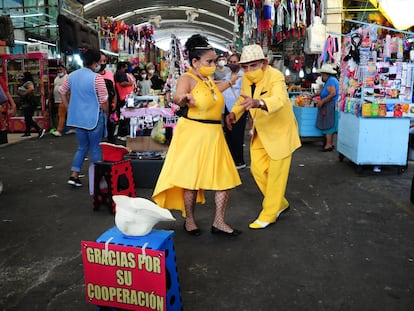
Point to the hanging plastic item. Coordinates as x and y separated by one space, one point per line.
315 37
114 45
267 14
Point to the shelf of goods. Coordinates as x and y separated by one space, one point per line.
375 107
11 68
305 114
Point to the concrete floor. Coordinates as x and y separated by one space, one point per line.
347 242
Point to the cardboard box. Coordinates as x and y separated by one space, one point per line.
144 143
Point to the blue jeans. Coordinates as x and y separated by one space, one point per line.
89 139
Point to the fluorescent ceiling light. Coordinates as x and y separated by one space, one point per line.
21 42
40 41
398 12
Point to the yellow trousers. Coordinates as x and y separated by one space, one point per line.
271 177
62 110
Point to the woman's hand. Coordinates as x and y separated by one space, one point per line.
319 103
187 100
230 120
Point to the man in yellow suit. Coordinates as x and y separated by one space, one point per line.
275 132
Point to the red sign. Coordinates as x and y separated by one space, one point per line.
125 277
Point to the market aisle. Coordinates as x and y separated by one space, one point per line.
346 243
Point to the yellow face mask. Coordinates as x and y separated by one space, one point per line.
207 71
255 75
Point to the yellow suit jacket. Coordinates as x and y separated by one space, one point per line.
277 127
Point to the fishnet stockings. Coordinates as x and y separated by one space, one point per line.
221 198
189 202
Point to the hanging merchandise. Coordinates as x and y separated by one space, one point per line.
330 51
315 37
268 14
375 103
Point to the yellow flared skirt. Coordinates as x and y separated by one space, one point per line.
198 159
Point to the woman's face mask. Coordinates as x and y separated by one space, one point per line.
207 71
143 76
60 74
151 72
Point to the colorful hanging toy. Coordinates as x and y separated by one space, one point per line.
268 6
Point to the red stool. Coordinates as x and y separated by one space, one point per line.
112 178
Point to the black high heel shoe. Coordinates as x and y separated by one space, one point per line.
215 230
194 232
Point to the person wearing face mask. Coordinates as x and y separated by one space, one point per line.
124 85
275 131
87 113
61 108
157 82
113 113
144 83
198 157
235 137
222 71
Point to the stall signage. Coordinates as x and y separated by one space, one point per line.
125 277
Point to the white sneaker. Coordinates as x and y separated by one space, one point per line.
240 166
57 134
71 131
377 169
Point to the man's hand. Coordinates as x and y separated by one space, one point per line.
230 120
249 102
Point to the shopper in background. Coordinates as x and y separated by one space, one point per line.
87 112
28 104
124 87
61 108
156 81
222 71
198 157
113 114
275 131
144 83
7 108
7 105
327 118
235 137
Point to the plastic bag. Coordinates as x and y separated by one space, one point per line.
158 132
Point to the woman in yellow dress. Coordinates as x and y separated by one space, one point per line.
198 157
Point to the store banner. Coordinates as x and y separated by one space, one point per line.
125 277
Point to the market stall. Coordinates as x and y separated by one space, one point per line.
376 97
305 112
12 67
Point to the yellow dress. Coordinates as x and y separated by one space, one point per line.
198 157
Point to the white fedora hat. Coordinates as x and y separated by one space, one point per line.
327 68
251 53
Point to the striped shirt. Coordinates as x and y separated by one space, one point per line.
100 88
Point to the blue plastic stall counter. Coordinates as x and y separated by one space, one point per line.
306 119
161 240
373 141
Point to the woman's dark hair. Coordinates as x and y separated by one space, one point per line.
90 56
27 76
196 46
